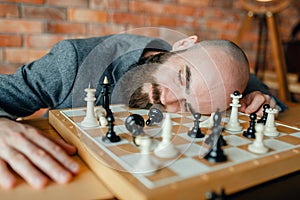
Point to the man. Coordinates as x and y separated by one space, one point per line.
143 72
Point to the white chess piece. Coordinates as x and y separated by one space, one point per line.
258 145
234 124
208 123
100 113
90 119
166 148
145 164
270 127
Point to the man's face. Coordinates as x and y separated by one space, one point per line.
202 77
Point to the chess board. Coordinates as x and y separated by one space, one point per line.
189 175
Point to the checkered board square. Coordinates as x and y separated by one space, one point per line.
124 155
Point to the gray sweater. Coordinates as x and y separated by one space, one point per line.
58 79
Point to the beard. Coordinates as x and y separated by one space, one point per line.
129 89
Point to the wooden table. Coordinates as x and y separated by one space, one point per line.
87 186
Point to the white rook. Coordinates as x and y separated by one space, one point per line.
270 127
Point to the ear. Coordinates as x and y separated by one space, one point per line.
185 43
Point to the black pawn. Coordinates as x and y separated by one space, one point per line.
155 116
196 131
250 132
265 115
111 135
216 154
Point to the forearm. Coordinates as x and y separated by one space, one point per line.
44 83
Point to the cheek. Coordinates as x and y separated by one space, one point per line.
207 100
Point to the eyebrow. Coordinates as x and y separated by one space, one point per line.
188 79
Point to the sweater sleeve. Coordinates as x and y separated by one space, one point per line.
255 84
44 83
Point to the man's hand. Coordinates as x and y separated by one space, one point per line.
254 101
33 155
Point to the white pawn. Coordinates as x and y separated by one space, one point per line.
208 123
90 119
234 124
100 113
270 127
145 164
258 145
166 148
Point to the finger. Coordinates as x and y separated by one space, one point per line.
54 150
20 164
7 179
37 134
43 160
260 112
243 106
255 104
71 150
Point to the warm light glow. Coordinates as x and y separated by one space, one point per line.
264 0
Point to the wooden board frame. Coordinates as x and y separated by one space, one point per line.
233 179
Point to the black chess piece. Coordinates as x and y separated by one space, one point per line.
196 131
111 135
155 116
217 118
135 125
250 132
263 119
236 93
215 196
105 98
216 154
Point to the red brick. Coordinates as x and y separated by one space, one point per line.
97 30
161 21
120 5
69 3
20 26
196 3
187 22
28 1
146 7
146 31
8 10
42 41
222 4
1 55
66 28
10 40
85 15
127 18
220 25
161 9
44 13
8 68
18 55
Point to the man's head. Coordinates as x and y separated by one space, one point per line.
202 75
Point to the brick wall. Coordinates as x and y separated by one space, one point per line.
28 28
